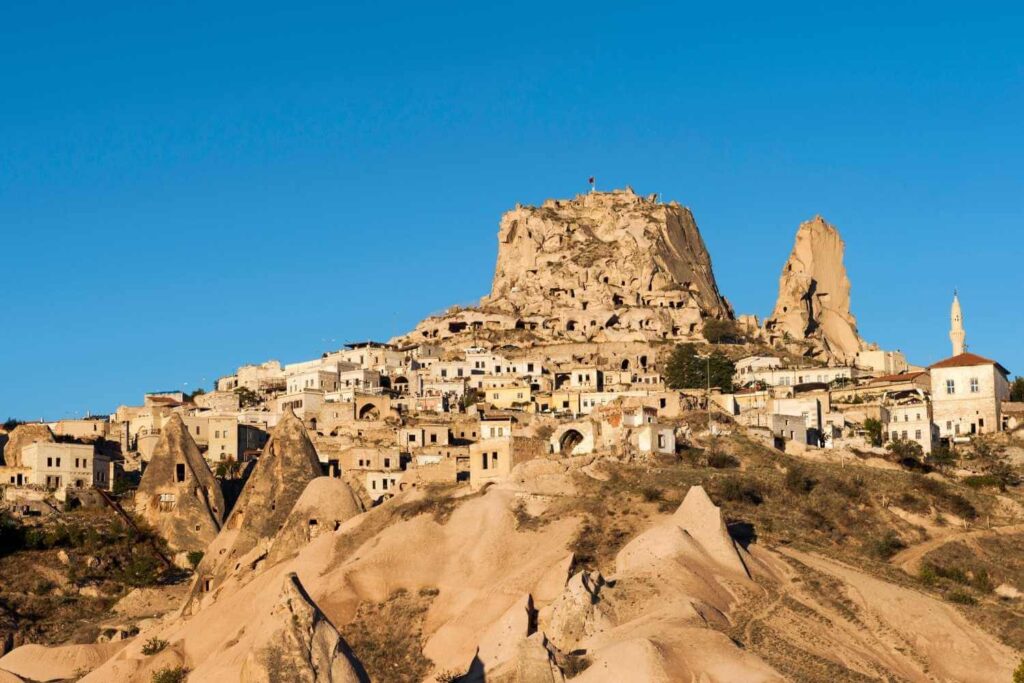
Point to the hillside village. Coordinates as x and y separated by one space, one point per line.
604 343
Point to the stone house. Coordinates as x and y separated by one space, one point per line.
909 417
418 436
58 467
967 393
492 460
504 398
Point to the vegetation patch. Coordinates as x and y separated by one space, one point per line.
387 637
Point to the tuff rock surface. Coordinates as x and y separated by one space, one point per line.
604 266
298 644
178 495
287 465
814 295
21 436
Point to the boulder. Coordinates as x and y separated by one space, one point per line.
578 612
21 436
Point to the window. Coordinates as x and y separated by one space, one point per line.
179 472
483 460
917 434
49 462
433 438
974 385
950 387
58 462
494 459
387 462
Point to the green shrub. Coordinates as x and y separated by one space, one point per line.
739 491
651 494
194 558
153 645
961 597
1018 673
721 461
799 480
977 481
885 546
926 575
177 674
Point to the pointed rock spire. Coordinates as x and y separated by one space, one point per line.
286 466
702 519
814 294
178 495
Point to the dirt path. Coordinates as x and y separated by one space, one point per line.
909 560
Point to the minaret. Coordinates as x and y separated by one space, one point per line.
957 334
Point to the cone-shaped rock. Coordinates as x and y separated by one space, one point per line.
24 435
297 643
325 505
814 294
178 495
702 519
286 466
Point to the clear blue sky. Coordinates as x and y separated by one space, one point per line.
189 187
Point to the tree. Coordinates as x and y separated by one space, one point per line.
721 331
1003 474
1017 389
688 370
941 458
247 397
198 392
906 452
874 429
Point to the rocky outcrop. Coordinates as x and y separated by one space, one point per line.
178 495
814 295
604 266
285 468
323 507
579 612
21 436
297 643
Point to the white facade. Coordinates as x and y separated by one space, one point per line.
59 466
967 393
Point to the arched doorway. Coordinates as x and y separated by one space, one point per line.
369 412
569 441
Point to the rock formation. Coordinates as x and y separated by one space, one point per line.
325 505
578 613
299 644
695 530
286 466
21 436
178 495
814 295
699 517
605 266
